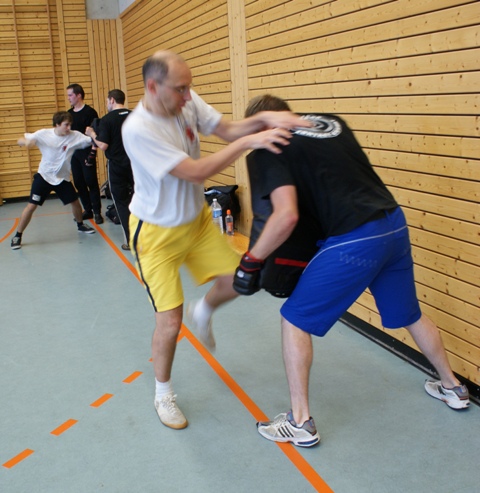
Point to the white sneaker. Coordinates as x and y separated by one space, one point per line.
456 398
284 429
204 330
169 413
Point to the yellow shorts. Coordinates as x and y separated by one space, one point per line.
159 253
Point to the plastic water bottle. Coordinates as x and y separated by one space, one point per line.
217 215
229 223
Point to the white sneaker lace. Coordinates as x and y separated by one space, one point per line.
279 420
168 402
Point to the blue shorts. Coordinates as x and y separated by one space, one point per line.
376 255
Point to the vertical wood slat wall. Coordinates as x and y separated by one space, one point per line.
46 45
197 30
27 88
403 73
107 69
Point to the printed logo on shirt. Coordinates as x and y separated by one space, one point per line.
190 134
325 127
64 148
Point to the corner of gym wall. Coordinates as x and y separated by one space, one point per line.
46 45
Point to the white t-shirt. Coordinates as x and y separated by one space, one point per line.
57 151
155 145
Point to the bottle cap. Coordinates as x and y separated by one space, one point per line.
228 211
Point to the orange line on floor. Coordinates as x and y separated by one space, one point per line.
18 458
64 427
254 410
288 449
133 377
102 400
12 230
117 250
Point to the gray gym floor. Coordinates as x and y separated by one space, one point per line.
77 389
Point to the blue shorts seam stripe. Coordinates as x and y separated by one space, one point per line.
355 241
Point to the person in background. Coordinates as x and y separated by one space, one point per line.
109 140
84 162
170 223
325 177
57 146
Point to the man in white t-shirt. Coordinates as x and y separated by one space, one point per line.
170 224
57 146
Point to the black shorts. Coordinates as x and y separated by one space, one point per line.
41 190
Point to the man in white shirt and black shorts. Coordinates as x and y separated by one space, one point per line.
57 146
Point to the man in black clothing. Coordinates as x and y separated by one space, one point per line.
84 165
109 139
324 176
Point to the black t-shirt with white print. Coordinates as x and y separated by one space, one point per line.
337 187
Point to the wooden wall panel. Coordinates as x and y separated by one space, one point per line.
27 88
196 29
404 74
44 46
106 68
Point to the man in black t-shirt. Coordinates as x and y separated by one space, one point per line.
109 139
324 176
84 165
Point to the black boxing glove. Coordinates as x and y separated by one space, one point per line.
247 276
92 158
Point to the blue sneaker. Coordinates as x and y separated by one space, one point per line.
284 429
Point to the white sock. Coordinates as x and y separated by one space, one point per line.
203 312
162 388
